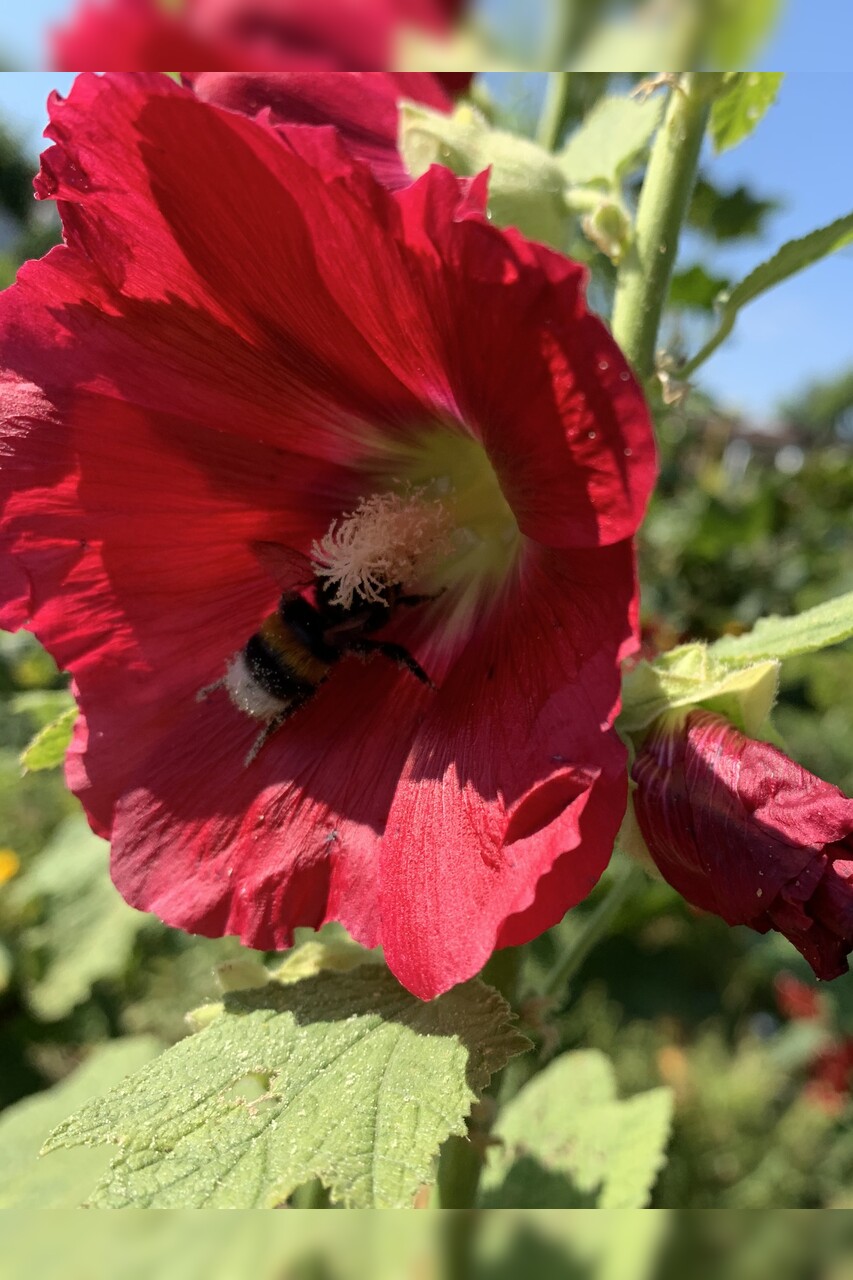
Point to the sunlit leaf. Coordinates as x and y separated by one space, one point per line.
787 261
610 140
569 1142
341 1076
741 106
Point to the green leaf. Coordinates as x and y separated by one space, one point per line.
77 927
526 185
568 1142
47 749
692 675
63 1179
740 29
725 215
340 1076
793 256
774 637
748 95
695 289
611 139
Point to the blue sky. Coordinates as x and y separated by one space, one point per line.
799 154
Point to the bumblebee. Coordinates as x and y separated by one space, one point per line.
296 648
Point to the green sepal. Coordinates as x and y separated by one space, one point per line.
526 184
692 676
736 676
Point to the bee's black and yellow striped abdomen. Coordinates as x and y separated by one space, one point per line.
285 656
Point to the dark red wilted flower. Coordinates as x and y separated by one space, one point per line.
243 35
743 832
361 105
213 382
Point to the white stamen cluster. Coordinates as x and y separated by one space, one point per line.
390 539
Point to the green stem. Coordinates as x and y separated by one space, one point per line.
631 879
459 1169
555 111
457 1235
460 1163
642 284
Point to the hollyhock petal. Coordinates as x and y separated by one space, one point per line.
362 106
514 780
291 839
142 575
570 442
241 35
128 35
742 831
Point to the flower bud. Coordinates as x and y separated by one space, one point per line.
526 185
609 228
745 833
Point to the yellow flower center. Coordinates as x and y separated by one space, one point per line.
437 522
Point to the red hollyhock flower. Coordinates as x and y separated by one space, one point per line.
362 105
240 35
213 381
743 832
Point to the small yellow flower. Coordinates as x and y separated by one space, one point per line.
10 865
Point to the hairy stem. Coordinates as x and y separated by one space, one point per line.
643 280
555 111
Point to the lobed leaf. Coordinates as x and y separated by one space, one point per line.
569 1142
342 1076
610 140
747 97
64 1178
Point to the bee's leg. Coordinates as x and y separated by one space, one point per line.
263 737
208 689
396 653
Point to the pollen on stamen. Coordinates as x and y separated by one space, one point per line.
389 539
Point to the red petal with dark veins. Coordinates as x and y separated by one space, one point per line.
742 831
515 786
361 105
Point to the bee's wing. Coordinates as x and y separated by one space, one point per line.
289 569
